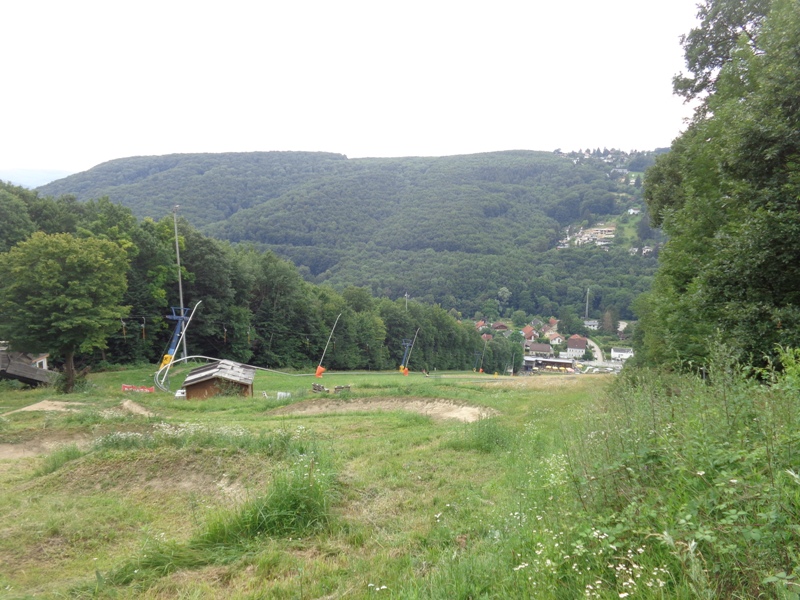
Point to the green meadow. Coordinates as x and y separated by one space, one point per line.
457 485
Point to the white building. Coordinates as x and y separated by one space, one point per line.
621 354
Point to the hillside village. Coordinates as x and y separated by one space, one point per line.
545 348
624 167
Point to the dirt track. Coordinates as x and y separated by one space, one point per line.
437 409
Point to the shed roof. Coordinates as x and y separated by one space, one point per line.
224 369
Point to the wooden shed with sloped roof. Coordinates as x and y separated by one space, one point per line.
223 377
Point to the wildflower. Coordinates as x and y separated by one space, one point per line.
701 473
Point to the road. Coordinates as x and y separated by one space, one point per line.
596 351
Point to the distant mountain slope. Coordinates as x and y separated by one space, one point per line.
209 187
448 229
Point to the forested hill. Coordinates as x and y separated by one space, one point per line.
452 230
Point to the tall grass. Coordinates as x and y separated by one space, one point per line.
485 435
699 472
297 503
676 486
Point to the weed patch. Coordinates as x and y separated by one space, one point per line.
58 458
484 435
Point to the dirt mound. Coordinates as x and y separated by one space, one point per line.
136 409
437 409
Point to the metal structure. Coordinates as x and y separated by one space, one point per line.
181 329
179 315
407 345
478 357
178 260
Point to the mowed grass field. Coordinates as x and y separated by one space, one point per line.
90 487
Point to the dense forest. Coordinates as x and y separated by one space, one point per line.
452 231
256 307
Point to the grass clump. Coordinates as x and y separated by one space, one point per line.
58 458
485 435
297 504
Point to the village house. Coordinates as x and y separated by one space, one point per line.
542 350
576 346
621 354
554 337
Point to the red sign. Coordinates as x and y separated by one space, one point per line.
137 388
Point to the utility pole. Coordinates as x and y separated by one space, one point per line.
587 303
180 283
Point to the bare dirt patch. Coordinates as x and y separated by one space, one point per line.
45 405
40 446
437 409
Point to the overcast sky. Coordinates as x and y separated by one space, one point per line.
89 81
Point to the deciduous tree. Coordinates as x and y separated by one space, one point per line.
61 294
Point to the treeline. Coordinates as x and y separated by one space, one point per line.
256 307
449 230
728 194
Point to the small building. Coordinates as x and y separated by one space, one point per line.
576 346
224 377
540 363
621 354
592 324
30 369
541 350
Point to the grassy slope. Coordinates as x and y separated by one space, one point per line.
666 488
396 470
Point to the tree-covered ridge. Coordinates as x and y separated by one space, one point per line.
209 187
448 230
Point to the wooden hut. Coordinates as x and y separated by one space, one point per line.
224 377
28 368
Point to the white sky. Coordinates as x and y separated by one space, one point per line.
88 81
